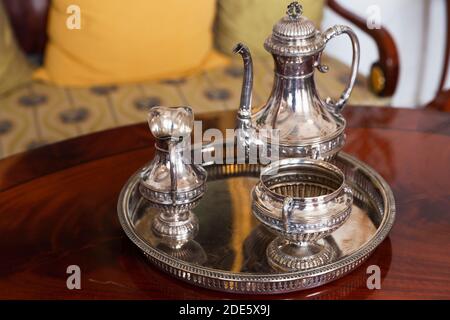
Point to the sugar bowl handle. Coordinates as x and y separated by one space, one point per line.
288 208
329 34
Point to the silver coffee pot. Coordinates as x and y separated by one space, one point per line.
308 127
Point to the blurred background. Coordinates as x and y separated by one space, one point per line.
72 67
419 29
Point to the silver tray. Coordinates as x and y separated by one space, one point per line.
228 254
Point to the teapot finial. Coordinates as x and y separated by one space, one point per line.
294 10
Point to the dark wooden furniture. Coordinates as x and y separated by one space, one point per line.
29 21
384 73
58 208
441 101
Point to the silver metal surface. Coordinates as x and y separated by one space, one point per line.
302 201
308 127
294 35
229 252
170 184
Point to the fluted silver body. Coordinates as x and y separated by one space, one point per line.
303 201
309 127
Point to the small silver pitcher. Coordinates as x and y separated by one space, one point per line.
171 184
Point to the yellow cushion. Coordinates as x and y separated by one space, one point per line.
14 69
128 41
251 21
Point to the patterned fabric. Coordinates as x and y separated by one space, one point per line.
40 114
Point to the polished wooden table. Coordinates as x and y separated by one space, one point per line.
58 208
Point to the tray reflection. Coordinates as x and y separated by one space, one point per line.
231 239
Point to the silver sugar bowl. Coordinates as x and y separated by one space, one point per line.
171 183
308 126
302 201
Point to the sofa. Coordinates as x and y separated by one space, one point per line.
36 112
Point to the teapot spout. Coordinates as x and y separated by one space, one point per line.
244 116
245 110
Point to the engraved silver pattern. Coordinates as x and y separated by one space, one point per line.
303 201
170 184
308 126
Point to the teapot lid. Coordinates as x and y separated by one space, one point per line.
294 34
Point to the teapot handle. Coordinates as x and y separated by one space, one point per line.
329 34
